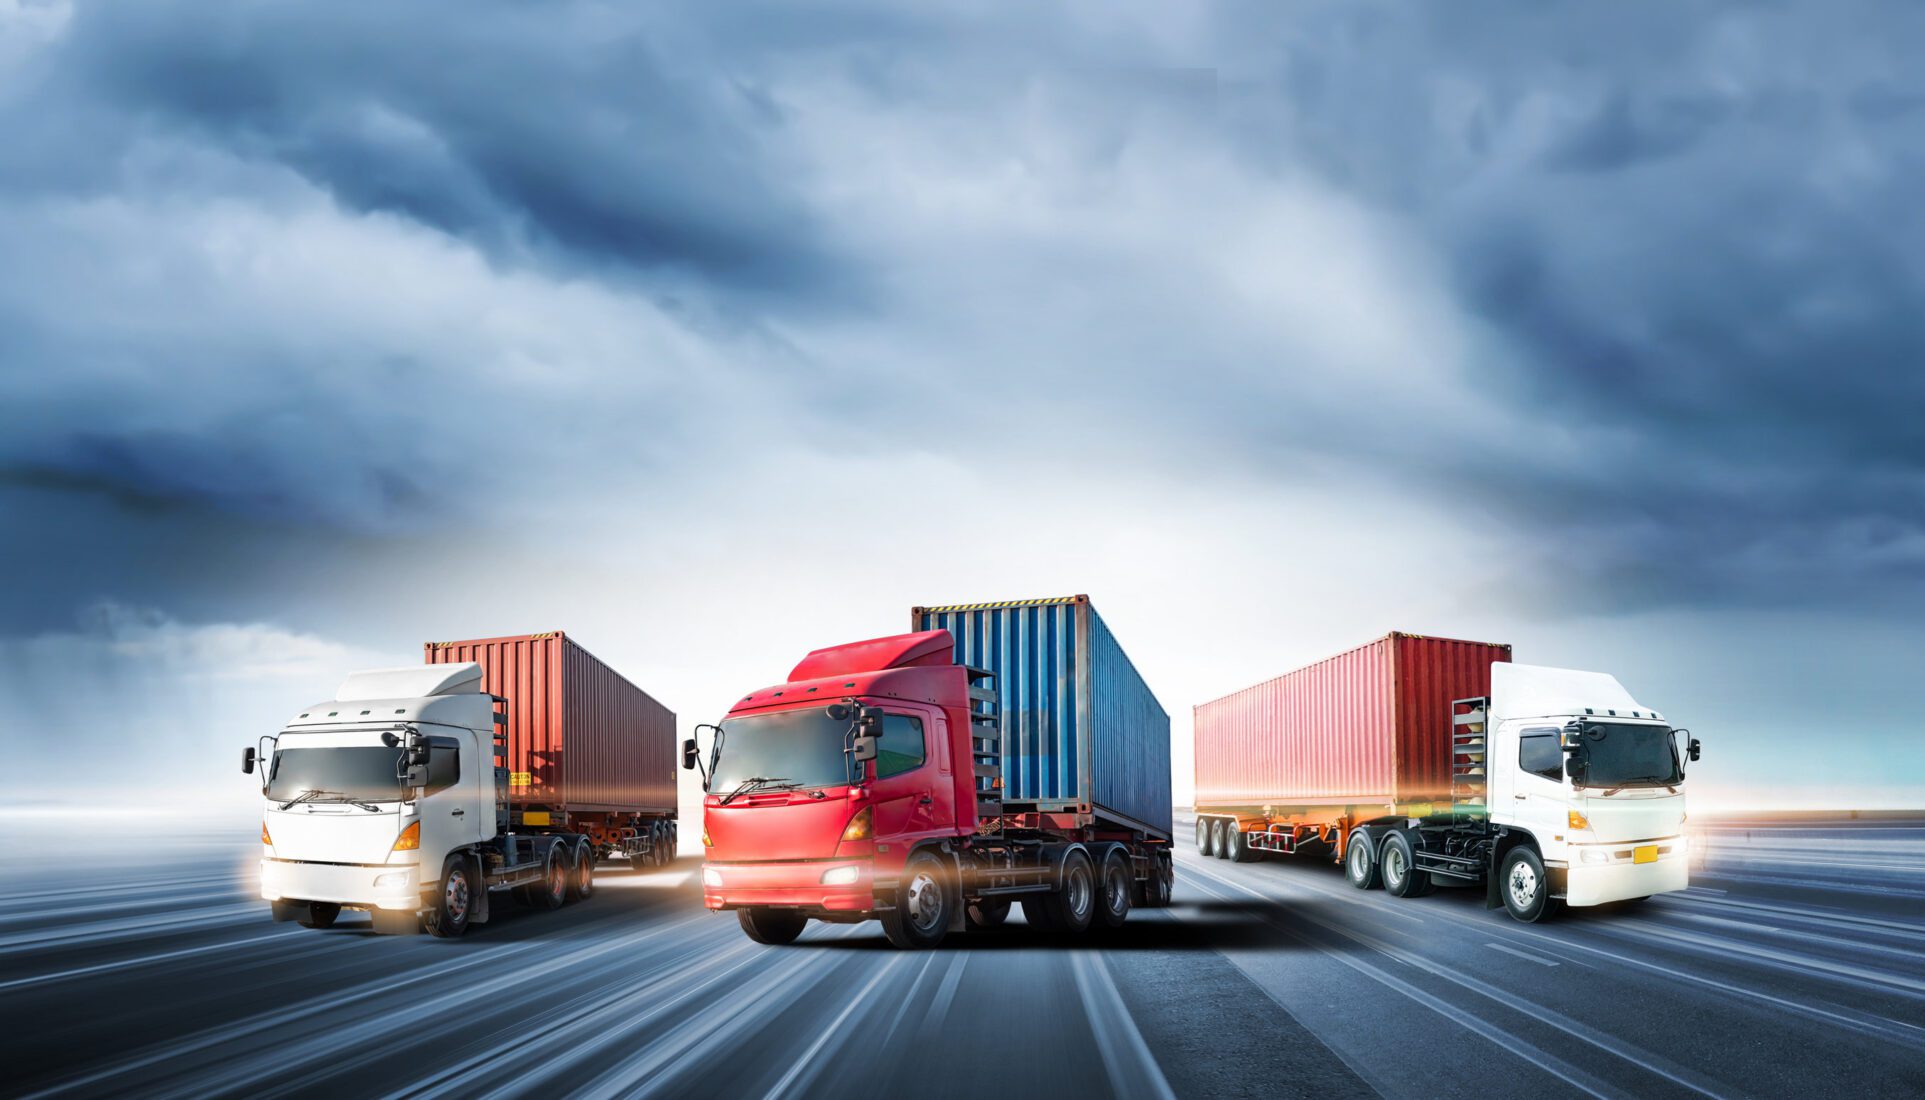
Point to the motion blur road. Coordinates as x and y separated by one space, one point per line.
1795 966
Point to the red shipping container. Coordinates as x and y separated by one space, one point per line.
581 739
1367 727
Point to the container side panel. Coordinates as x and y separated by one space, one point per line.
1431 672
1079 725
580 737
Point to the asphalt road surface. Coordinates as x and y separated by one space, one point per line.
1795 966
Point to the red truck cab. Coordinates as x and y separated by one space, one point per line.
795 823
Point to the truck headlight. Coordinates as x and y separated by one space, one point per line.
392 878
841 876
711 877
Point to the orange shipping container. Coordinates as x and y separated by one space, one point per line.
581 739
1370 726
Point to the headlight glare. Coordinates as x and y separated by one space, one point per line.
711 877
841 876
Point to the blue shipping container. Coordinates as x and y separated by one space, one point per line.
1081 731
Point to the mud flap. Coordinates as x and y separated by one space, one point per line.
478 908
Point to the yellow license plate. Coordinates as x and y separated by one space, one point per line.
1644 853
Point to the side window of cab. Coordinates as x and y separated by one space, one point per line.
1539 754
901 748
444 763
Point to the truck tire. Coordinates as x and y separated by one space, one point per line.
1165 881
1223 829
1524 886
581 884
924 901
1203 836
1240 850
447 918
1114 890
987 913
1397 861
642 861
551 889
1360 861
775 927
320 914
1073 906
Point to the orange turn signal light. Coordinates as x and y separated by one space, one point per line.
265 839
410 838
860 826
1578 821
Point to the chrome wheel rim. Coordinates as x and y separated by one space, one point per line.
1394 865
455 895
1523 885
1359 860
925 901
1077 892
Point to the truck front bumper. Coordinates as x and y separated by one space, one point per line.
796 885
390 886
1603 873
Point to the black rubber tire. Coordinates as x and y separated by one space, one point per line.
552 889
1165 881
1397 863
1240 850
775 927
581 884
320 914
641 861
1360 861
1115 889
1039 913
1222 844
1203 836
925 898
1521 868
454 901
1073 907
986 913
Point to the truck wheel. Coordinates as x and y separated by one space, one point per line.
1221 848
775 927
581 885
923 903
1524 885
1398 861
1074 906
1240 850
1203 836
1117 884
987 913
642 861
448 917
1165 882
320 914
552 890
1360 862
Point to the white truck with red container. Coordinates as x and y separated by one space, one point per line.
1418 761
414 793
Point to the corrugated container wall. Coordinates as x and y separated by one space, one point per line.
1080 727
1368 726
580 737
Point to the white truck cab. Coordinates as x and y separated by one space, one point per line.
1593 778
387 798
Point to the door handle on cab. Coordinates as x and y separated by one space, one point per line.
925 800
1520 797
459 813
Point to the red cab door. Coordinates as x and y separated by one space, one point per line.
912 791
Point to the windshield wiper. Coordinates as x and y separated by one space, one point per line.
755 782
330 796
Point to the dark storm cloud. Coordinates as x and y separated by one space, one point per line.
1679 249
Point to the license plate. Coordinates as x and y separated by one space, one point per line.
1644 853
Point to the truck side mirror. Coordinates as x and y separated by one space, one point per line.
1570 741
690 754
838 712
869 724
247 760
417 776
417 750
864 747
1694 750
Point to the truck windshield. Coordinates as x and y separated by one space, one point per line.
804 747
1622 755
366 773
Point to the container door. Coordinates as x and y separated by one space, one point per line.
909 782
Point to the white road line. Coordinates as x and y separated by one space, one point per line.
1127 1061
1520 954
807 1061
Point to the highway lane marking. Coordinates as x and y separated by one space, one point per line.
1611 1045
932 1020
1127 1061
1807 965
122 928
1486 1030
1520 954
146 960
807 1062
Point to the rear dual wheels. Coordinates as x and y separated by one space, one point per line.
1360 861
581 882
1239 850
986 913
1117 885
551 890
1397 861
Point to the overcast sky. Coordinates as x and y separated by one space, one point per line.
713 334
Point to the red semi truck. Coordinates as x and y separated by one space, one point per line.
871 785
1418 761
